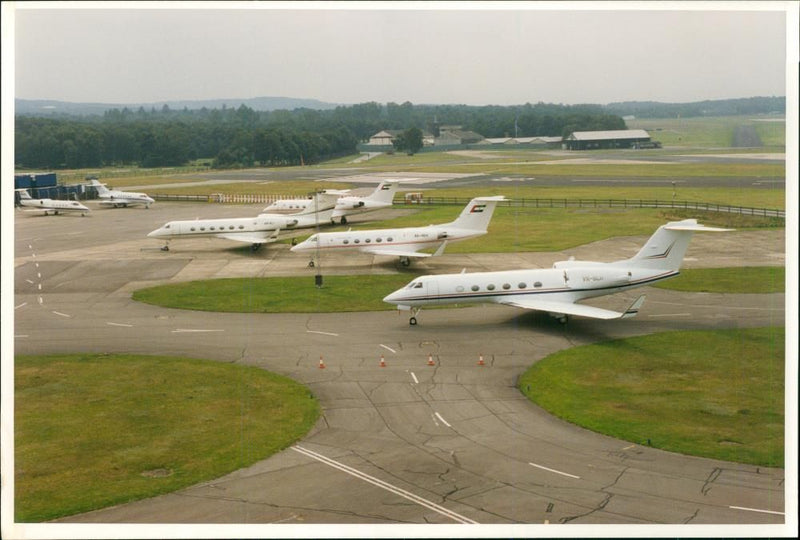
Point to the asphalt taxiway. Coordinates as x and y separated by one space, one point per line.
453 442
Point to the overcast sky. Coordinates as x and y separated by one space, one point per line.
471 53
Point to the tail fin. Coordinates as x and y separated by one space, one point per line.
23 194
384 192
666 248
477 214
101 188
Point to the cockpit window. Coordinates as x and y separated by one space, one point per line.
418 285
313 238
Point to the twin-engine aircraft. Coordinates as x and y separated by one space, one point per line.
50 205
346 205
406 242
258 230
118 198
557 290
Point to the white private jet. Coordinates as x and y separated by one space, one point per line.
557 290
50 205
406 242
346 204
262 229
118 198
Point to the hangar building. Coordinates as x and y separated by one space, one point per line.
619 138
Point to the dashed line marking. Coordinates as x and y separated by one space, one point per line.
439 416
191 330
323 333
20 336
670 315
553 470
62 314
22 304
388 349
29 281
757 510
414 377
40 300
119 324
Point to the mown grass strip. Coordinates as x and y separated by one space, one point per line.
366 292
278 294
717 394
748 279
97 430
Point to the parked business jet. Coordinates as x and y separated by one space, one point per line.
557 290
346 205
50 205
262 229
406 242
118 198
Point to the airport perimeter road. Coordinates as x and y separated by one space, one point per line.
448 443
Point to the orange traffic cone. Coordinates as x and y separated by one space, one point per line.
480 360
383 362
321 363
430 360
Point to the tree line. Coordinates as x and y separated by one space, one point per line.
243 137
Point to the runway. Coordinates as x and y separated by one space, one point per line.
409 443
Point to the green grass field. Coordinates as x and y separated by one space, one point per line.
365 292
96 430
714 394
744 280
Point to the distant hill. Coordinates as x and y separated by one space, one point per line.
719 107
47 107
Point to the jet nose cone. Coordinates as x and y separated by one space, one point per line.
153 234
391 298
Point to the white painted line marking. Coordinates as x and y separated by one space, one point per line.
119 324
22 304
388 349
30 246
29 281
63 314
40 300
39 275
323 333
554 471
385 485
439 416
36 264
20 336
670 315
187 330
629 447
756 510
40 286
414 377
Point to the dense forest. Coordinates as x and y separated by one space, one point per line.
243 137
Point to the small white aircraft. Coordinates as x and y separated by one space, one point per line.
262 229
118 198
557 290
406 242
346 204
50 205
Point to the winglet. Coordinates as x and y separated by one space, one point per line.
634 309
441 249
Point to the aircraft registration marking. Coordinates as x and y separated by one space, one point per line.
385 485
323 333
554 471
756 510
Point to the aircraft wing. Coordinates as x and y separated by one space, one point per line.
250 237
393 252
569 308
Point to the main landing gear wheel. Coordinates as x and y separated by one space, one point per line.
311 264
405 261
412 321
343 221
